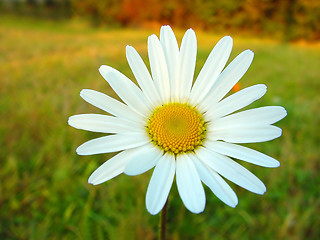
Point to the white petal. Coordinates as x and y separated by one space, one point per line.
211 69
142 75
216 183
103 123
171 51
112 143
159 67
189 185
125 89
228 78
143 160
160 184
111 168
236 101
188 55
109 105
246 135
231 171
242 153
252 117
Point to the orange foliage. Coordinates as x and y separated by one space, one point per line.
236 87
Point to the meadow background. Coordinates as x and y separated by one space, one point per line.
47 57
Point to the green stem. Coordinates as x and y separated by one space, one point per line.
163 222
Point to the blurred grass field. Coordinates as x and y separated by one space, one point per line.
44 192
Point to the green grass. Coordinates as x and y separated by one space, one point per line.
43 183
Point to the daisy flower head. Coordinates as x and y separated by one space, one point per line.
183 130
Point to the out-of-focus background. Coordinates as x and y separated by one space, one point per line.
51 49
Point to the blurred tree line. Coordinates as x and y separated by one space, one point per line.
286 19
56 9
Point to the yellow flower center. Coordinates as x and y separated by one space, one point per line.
176 127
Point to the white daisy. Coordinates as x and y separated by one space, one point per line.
183 130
